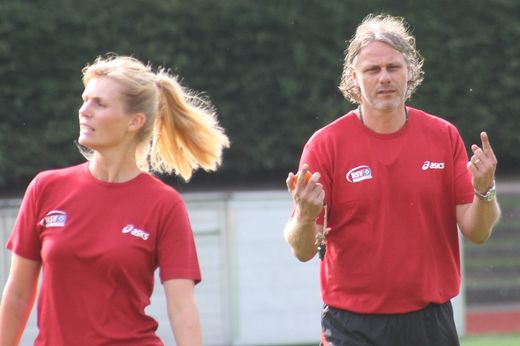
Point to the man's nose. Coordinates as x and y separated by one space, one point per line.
384 76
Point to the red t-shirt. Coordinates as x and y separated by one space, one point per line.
99 244
391 200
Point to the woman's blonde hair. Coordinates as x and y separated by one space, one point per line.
392 31
181 132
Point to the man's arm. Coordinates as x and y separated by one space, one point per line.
300 232
476 220
18 299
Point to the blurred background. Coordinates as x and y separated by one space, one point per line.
271 69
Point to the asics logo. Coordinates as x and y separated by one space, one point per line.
136 232
54 218
360 173
432 165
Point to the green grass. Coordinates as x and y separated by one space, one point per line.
491 340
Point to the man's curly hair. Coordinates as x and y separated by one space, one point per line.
388 29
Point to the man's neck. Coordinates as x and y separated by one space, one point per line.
383 122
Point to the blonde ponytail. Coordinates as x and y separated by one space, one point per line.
180 133
186 133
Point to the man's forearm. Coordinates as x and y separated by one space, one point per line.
301 236
479 220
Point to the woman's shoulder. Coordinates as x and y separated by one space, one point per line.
59 174
159 189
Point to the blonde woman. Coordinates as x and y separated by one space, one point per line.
100 229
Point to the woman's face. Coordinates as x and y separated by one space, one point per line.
103 121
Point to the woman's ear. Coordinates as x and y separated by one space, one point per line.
137 122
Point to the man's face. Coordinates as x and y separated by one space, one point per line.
382 75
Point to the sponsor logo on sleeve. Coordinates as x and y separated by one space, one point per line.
54 218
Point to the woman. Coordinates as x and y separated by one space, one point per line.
100 229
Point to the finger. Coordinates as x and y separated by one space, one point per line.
475 148
486 145
315 177
475 162
485 140
314 188
320 196
472 166
289 181
300 183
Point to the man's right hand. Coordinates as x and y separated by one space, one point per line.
308 195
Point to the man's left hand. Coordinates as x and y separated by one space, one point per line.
482 165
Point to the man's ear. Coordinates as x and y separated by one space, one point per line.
137 122
354 77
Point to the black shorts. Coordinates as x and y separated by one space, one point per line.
431 326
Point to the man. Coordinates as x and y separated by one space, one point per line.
390 184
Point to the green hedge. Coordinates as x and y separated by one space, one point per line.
271 68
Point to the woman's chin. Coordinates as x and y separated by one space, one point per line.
84 142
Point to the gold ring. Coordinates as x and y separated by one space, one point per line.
476 162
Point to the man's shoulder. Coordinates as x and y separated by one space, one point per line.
334 128
429 120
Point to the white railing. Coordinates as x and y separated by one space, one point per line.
253 290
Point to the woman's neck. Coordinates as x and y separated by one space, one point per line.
113 168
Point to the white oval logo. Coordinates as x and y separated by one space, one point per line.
358 174
136 232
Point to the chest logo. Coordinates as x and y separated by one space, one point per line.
360 173
54 218
432 165
136 232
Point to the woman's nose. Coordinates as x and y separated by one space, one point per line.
83 110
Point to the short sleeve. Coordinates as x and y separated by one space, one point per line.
177 254
463 186
25 238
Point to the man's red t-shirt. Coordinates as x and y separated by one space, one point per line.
393 245
99 244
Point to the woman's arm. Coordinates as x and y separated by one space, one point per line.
18 299
182 312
